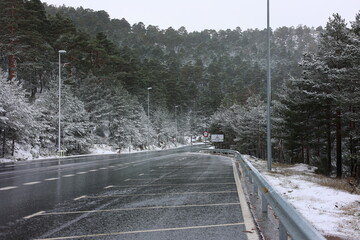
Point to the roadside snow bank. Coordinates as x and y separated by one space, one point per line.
333 212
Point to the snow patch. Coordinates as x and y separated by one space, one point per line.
333 212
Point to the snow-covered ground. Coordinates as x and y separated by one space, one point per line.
333 212
23 153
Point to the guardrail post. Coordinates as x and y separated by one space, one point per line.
264 205
255 189
250 178
282 232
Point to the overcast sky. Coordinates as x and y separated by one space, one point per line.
197 15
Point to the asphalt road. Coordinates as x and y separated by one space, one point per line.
176 196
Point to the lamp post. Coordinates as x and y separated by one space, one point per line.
59 139
269 157
176 126
148 110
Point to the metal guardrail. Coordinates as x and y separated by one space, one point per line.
290 221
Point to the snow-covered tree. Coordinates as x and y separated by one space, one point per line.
18 124
76 128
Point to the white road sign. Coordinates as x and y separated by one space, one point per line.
217 137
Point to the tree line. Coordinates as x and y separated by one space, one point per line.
208 79
315 115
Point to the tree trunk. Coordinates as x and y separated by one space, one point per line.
338 145
3 142
308 154
328 149
12 66
13 147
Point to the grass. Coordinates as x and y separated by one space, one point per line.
335 183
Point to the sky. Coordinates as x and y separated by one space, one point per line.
197 15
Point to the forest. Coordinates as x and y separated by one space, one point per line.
208 80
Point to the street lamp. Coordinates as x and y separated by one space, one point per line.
149 88
59 141
176 126
269 160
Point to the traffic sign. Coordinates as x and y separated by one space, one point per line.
217 137
206 134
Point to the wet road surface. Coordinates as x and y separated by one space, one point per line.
177 196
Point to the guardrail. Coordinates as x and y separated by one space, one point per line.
290 221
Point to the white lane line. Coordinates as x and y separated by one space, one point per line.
93 170
158 178
35 214
52 179
31 183
247 216
144 208
69 175
112 166
81 197
159 194
8 188
103 168
110 186
79 173
141 174
169 184
145 231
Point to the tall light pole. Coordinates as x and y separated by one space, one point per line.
269 157
59 139
148 110
176 126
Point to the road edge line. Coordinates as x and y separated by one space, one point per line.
252 232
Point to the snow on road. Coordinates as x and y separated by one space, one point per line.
333 212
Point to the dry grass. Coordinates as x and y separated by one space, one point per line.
283 169
335 183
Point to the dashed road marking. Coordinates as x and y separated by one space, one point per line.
141 174
110 186
79 173
69 175
103 168
126 180
35 214
51 179
7 188
93 170
31 183
81 197
146 231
